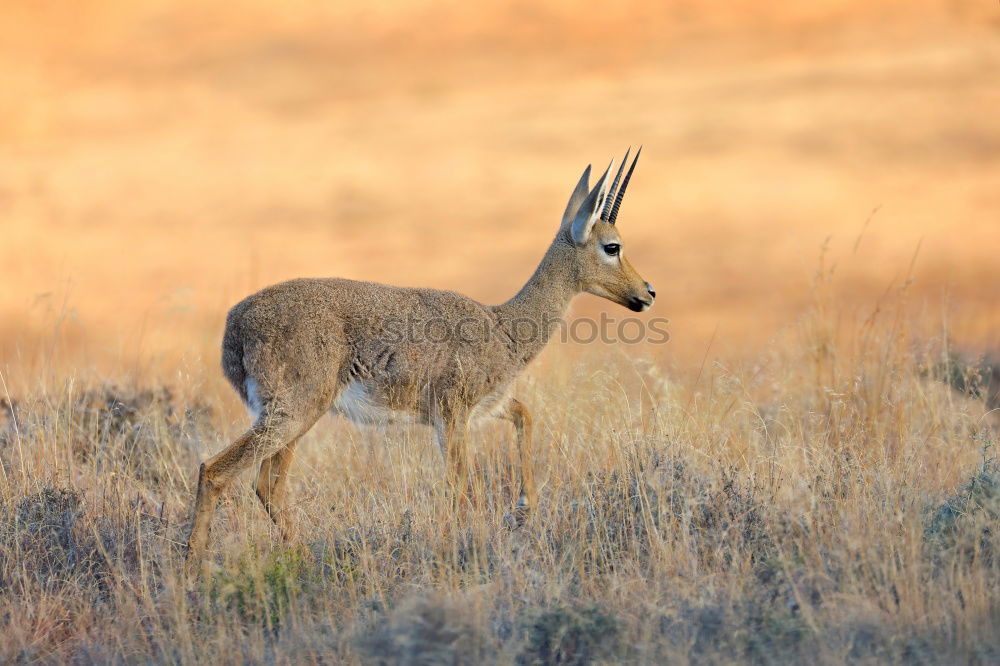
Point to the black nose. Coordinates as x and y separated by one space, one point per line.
649 288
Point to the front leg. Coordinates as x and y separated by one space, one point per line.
527 497
452 437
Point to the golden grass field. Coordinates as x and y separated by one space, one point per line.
806 473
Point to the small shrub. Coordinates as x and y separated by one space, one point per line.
979 379
965 523
564 635
51 530
43 529
425 630
755 627
262 589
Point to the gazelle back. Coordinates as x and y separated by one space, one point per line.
377 353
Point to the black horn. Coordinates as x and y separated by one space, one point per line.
614 185
621 192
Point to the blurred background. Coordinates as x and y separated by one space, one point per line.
161 160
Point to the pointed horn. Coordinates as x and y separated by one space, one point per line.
586 216
621 192
614 186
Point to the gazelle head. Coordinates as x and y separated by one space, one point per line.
588 226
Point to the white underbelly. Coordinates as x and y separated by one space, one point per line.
356 404
490 407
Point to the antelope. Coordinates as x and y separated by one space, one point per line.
296 350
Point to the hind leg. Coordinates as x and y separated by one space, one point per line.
272 481
271 433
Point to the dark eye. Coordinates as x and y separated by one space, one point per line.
612 249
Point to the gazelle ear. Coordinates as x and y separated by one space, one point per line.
575 199
587 213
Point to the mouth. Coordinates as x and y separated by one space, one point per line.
638 304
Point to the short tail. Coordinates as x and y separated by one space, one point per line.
232 358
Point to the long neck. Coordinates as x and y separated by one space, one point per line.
529 319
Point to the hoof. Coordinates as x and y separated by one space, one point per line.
288 535
519 516
193 567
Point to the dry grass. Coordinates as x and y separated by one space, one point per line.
835 499
826 491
